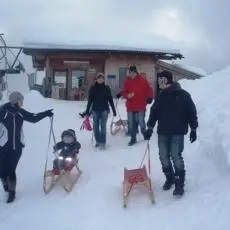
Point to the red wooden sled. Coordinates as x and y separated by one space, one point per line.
138 176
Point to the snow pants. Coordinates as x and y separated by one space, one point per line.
171 148
8 163
99 126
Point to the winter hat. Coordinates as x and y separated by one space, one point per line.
166 74
133 68
72 131
68 132
15 97
100 75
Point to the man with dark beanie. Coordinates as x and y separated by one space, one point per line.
12 116
174 110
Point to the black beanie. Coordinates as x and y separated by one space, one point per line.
133 68
167 74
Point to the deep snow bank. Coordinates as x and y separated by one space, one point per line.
212 97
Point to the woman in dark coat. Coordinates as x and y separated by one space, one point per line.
12 116
99 99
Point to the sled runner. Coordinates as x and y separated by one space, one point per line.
138 176
67 171
67 176
117 126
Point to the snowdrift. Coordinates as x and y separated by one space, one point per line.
211 95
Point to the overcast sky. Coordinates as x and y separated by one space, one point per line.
199 28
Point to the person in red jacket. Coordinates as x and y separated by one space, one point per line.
138 93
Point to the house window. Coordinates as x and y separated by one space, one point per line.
122 76
60 78
78 77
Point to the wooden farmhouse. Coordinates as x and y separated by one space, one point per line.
70 70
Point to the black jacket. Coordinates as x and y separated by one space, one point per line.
11 122
68 150
174 110
99 98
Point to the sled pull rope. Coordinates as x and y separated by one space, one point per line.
51 134
147 150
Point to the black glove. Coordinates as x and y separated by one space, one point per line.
148 134
150 100
118 95
82 114
114 113
193 136
49 113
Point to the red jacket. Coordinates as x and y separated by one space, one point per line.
142 92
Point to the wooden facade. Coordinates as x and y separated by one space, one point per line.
71 72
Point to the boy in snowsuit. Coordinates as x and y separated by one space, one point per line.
174 110
69 147
12 116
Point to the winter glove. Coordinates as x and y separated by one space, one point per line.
49 113
118 95
193 136
55 148
114 114
82 114
148 134
130 95
149 100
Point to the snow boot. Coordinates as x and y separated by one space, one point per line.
102 146
133 141
11 197
170 180
12 188
5 185
179 183
97 145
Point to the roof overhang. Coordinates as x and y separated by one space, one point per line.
39 52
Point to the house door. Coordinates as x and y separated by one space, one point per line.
122 76
78 79
61 79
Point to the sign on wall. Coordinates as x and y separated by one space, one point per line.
111 76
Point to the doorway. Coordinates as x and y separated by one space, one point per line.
77 84
60 78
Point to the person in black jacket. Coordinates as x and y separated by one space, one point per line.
174 110
12 117
99 98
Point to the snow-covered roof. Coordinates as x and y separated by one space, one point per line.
30 46
193 69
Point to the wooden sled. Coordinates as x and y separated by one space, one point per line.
117 126
136 177
51 178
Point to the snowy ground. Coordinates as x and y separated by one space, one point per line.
96 201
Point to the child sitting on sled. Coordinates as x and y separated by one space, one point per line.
69 147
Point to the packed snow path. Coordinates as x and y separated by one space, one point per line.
96 201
